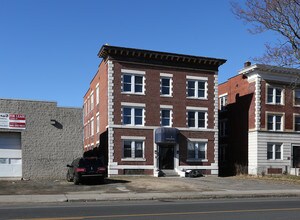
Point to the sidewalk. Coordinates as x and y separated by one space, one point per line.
91 196
145 188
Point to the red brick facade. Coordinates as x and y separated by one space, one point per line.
252 142
114 133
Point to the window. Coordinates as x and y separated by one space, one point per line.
274 151
92 127
133 116
196 119
97 95
165 86
4 161
88 105
92 101
297 122
133 83
196 89
98 124
297 97
165 115
223 128
274 95
196 150
223 102
274 122
133 149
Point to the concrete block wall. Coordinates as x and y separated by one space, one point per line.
47 147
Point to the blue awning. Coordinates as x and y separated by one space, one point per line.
165 135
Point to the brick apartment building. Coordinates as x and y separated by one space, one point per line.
259 121
148 111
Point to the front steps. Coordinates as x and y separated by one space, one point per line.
169 173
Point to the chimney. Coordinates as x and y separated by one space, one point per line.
247 63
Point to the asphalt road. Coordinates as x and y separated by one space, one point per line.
242 209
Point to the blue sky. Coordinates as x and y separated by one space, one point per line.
48 48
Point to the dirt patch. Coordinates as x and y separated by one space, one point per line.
139 184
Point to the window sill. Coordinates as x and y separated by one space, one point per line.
197 128
167 96
281 104
132 93
197 98
130 125
196 160
134 159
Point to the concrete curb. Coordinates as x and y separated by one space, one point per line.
90 197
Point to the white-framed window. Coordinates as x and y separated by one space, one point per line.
92 101
92 127
297 97
4 160
133 115
274 122
223 128
98 123
133 149
296 122
166 117
10 161
223 102
88 129
197 150
166 86
274 95
133 81
196 119
97 95
274 151
88 105
196 88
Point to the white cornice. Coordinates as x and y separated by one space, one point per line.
272 73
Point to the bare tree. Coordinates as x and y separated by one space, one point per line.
280 16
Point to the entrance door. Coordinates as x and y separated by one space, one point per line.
296 156
166 157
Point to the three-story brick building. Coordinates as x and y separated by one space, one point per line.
259 121
150 111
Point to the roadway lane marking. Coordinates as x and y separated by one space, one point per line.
163 214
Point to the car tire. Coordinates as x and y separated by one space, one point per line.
76 180
69 178
101 180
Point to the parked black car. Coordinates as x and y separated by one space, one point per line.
86 168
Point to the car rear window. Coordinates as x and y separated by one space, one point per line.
90 162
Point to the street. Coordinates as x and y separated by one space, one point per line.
267 208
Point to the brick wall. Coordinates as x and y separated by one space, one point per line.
288 108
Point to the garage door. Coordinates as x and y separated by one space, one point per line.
10 154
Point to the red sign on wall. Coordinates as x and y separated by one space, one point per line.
12 121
